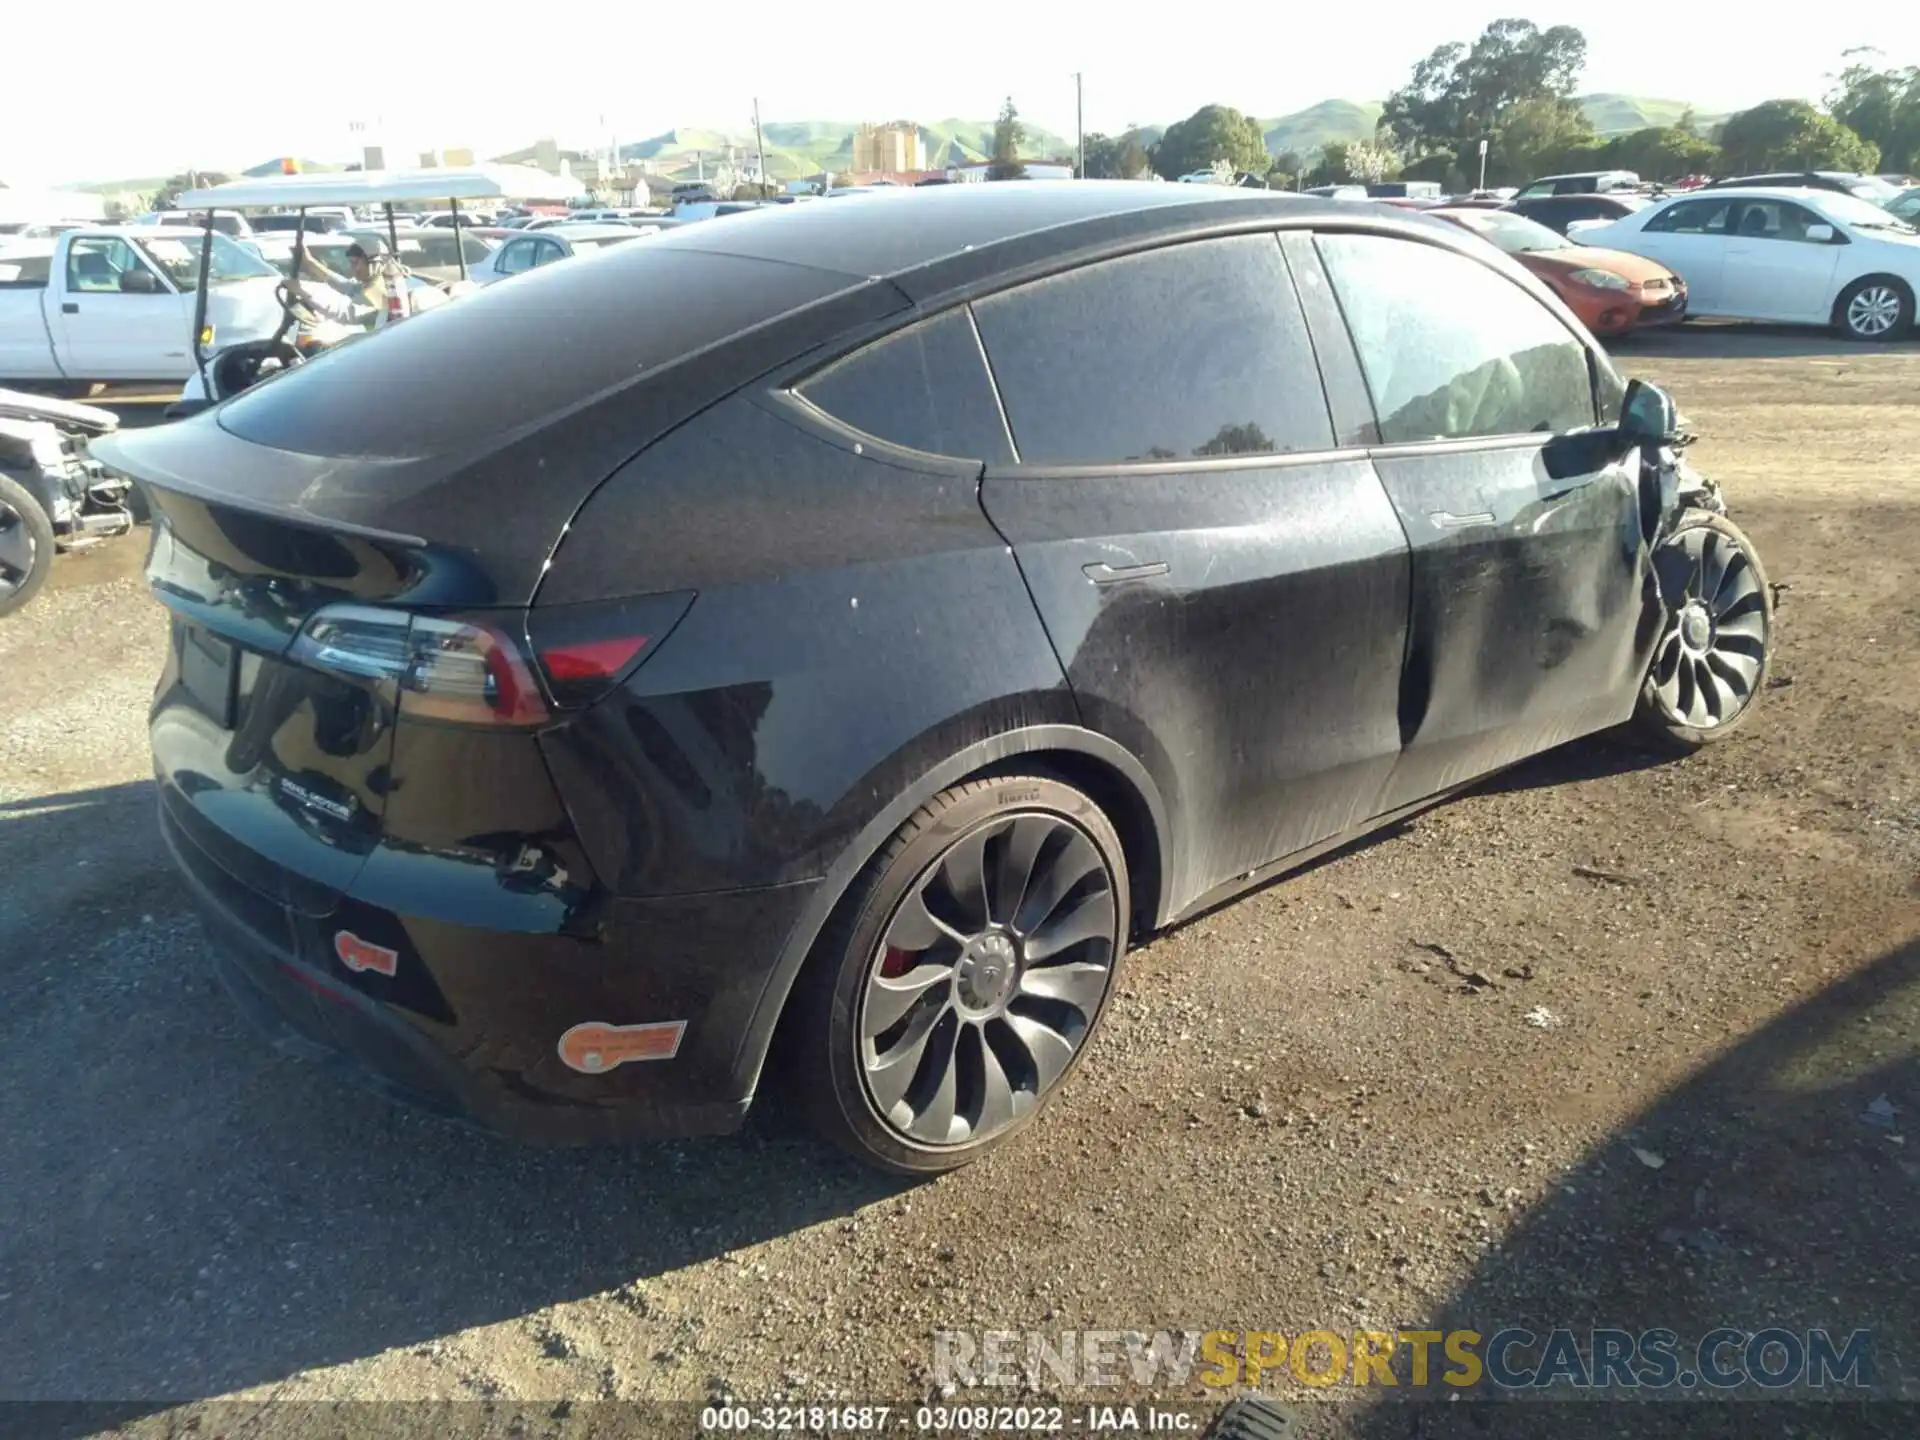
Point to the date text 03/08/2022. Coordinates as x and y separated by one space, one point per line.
954 1419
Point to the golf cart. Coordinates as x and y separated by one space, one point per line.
312 321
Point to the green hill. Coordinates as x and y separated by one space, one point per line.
1618 114
1329 122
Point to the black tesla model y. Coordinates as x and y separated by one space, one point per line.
852 622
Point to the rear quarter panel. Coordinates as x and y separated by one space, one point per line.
856 621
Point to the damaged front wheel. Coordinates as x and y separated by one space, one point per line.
1710 664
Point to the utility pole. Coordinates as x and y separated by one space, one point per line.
1079 127
759 147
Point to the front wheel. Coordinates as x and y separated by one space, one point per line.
1710 663
970 969
26 545
1876 308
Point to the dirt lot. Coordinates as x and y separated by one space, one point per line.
1660 1110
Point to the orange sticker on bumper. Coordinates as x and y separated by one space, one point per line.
357 954
596 1047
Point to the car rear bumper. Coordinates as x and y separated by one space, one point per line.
469 1023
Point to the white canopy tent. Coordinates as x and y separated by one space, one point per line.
384 187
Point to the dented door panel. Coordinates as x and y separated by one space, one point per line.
1529 583
1256 674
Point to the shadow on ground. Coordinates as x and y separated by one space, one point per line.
1737 340
1783 1196
189 1214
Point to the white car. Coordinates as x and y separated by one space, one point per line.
523 252
1805 257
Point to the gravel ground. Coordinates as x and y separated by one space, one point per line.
1607 1042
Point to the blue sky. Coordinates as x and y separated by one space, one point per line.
108 104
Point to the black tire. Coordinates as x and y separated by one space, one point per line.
1705 681
26 545
984 828
1861 312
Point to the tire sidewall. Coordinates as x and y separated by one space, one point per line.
1653 717
40 525
851 1110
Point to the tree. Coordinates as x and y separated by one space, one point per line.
1531 139
1133 160
1103 157
1369 163
1212 133
1882 106
1792 135
1008 135
1459 94
1661 154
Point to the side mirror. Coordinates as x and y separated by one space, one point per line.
1647 414
138 282
1820 234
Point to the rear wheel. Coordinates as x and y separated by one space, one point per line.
1876 308
1710 663
26 545
969 971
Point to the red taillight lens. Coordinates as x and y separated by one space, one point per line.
458 671
585 650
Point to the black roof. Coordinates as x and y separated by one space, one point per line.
887 235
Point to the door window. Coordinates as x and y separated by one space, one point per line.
95 265
517 257
1690 217
1450 348
1775 220
925 387
1196 350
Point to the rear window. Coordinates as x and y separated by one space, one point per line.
488 364
25 272
925 387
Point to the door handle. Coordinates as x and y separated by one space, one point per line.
1447 520
70 308
1102 573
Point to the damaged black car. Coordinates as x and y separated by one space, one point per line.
796 655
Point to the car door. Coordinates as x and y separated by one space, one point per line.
1222 576
1529 570
110 331
1773 271
1689 237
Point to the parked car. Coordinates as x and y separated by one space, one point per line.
1406 190
443 219
1611 291
1905 206
116 302
1557 212
322 224
1809 257
429 250
53 495
1844 182
1336 192
1584 182
866 619
523 252
230 223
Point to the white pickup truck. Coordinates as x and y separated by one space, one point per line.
116 303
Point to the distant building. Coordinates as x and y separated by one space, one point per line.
890 149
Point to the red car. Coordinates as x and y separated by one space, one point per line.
1611 291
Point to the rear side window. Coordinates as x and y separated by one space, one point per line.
1194 350
1691 217
1451 349
925 387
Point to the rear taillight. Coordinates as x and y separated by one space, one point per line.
585 650
459 671
473 670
